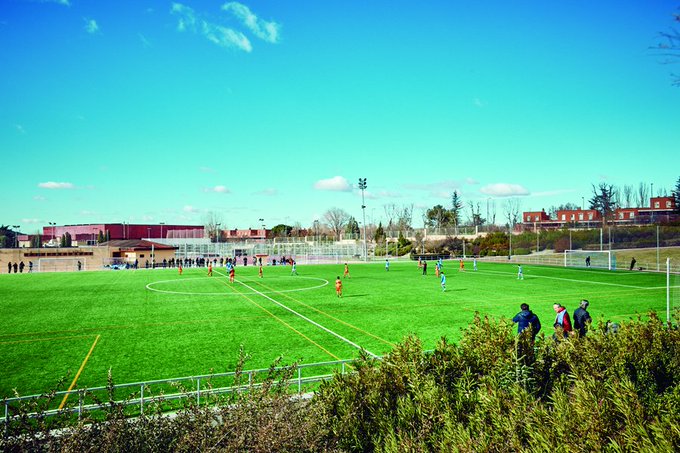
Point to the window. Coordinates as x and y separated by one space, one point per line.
632 215
620 215
528 218
141 255
572 217
564 217
580 216
668 203
590 216
656 205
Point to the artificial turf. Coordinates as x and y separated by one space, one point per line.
157 324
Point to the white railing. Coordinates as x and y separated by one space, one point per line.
142 394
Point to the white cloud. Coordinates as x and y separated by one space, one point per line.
215 33
191 209
91 26
334 184
58 2
267 31
552 193
20 128
479 103
471 181
387 194
39 198
504 190
56 185
217 189
31 221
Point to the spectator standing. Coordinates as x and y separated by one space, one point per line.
526 318
582 318
562 319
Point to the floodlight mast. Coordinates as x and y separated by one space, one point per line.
362 186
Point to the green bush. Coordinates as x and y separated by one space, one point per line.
493 391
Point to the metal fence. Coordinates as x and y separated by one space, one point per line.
141 394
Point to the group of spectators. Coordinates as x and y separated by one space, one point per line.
563 324
19 267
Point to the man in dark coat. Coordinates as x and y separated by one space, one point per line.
582 318
526 318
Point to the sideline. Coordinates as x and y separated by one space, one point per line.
82 366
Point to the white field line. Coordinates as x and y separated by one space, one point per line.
150 287
576 280
337 335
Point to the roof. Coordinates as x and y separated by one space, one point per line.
136 244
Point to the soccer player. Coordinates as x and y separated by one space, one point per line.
424 267
437 268
180 269
462 266
443 282
520 274
293 270
232 271
338 286
387 265
259 272
209 269
474 264
346 273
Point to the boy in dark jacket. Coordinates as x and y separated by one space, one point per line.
526 318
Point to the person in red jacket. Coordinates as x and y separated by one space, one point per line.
562 320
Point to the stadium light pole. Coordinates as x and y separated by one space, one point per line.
583 203
362 186
52 224
162 223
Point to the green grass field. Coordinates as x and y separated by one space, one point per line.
156 324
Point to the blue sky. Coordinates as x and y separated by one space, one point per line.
157 111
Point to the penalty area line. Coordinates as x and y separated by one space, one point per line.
351 343
80 370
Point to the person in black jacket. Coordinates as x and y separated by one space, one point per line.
526 318
582 318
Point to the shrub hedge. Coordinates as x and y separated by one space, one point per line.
493 391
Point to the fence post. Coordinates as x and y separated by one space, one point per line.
299 379
198 391
80 403
141 399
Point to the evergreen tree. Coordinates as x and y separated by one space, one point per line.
603 201
379 235
456 207
100 237
352 226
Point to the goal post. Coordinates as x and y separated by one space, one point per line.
599 259
61 264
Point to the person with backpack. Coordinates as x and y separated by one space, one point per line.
526 318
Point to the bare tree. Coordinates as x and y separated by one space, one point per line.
391 212
628 195
643 197
336 219
475 215
511 209
212 222
668 48
405 218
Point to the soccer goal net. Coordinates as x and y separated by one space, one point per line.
60 264
600 259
